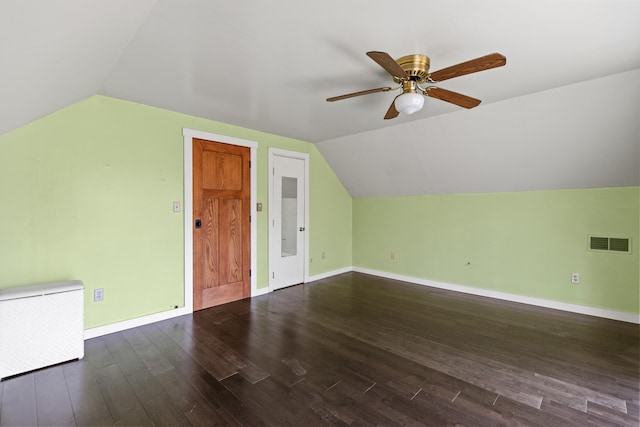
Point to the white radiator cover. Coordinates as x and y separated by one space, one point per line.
40 325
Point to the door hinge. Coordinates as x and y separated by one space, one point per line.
273 275
249 272
249 164
273 171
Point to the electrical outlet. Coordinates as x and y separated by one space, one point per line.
393 255
322 254
176 206
575 278
98 294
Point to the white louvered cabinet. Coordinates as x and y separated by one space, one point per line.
40 325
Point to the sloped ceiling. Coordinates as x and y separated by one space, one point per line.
270 66
53 54
585 135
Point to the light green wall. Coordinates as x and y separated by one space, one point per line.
87 195
88 191
524 243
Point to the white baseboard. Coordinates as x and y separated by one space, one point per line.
134 323
573 308
261 291
329 274
145 320
157 317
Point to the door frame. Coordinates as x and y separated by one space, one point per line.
276 152
189 135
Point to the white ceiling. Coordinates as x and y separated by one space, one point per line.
270 66
555 139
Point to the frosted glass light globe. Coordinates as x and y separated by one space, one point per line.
409 103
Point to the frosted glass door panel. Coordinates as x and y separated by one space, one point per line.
289 215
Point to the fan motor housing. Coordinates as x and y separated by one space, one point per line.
417 66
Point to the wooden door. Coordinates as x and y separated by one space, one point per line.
221 233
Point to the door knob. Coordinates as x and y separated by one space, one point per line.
301 228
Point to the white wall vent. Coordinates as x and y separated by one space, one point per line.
612 244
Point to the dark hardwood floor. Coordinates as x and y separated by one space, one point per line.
350 350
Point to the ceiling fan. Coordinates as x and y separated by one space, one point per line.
412 74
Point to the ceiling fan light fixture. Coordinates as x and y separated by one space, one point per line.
409 103
413 70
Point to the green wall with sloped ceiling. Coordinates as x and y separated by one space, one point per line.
88 192
521 243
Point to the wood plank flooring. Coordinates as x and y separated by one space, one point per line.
352 350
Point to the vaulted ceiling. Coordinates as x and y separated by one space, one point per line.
270 66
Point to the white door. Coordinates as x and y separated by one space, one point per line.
287 218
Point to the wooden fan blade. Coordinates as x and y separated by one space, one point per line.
362 92
479 64
389 64
452 97
392 113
